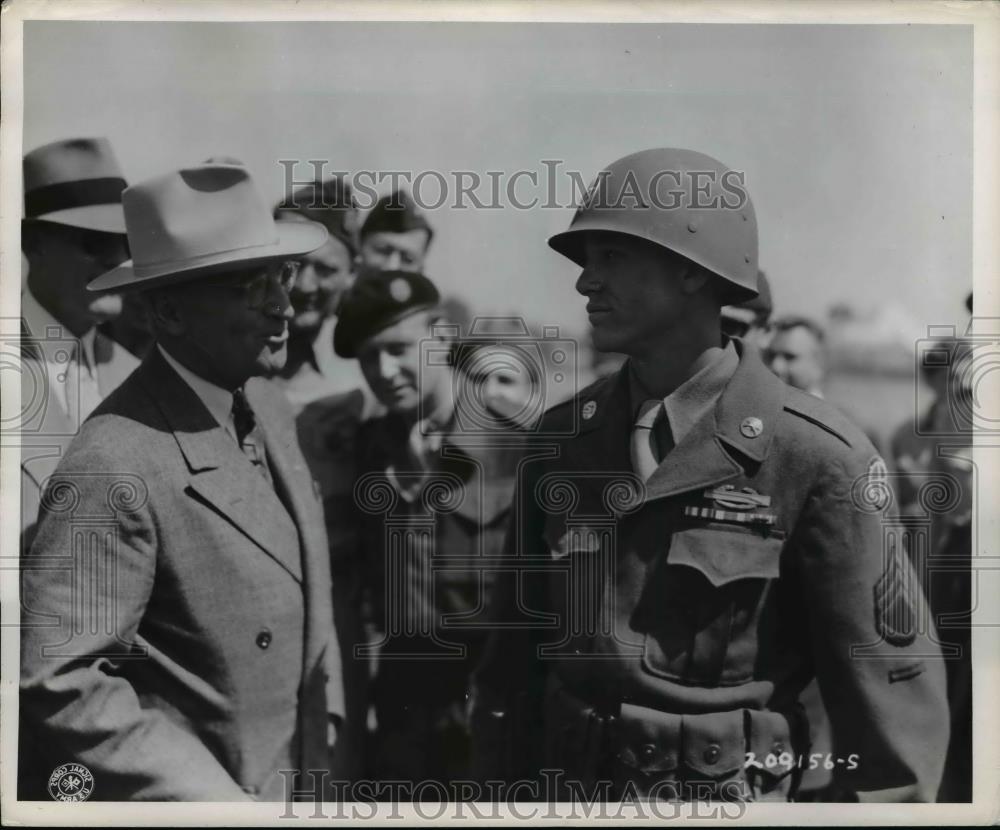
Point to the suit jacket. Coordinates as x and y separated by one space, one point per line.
694 615
203 658
46 428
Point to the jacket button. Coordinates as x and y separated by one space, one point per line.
647 752
264 639
711 754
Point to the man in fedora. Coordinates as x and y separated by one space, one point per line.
73 231
204 664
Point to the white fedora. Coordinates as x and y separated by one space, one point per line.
198 221
76 182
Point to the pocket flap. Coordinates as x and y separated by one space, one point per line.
649 741
770 735
714 743
724 555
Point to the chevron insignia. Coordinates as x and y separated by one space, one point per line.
895 614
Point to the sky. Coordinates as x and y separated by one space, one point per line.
856 141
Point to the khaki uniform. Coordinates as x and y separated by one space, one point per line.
423 538
661 642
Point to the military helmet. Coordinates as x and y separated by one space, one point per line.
685 201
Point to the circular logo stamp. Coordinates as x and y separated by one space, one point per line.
71 782
399 290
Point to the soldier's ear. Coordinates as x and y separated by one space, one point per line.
696 279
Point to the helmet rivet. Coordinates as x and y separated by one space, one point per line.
746 259
692 227
744 216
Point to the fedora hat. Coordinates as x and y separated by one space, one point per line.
198 221
76 182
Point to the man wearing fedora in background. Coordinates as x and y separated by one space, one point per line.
73 230
205 665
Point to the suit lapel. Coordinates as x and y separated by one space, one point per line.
220 474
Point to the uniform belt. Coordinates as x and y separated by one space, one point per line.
647 745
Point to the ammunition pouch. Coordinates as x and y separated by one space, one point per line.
730 755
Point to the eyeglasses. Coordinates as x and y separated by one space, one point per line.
256 284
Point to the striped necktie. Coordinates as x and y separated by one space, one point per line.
249 435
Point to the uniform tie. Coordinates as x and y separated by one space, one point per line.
249 435
650 438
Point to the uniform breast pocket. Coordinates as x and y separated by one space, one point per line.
704 607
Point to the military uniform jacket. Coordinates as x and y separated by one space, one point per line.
424 537
177 633
686 615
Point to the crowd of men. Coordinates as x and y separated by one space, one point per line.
282 523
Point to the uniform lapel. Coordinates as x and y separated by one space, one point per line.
220 473
722 443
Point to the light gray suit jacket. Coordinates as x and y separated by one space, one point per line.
178 637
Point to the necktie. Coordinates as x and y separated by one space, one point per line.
249 434
650 438
80 386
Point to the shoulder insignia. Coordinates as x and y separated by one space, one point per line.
821 414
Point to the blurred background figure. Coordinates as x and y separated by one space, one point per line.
796 353
749 320
395 235
452 434
73 230
131 328
913 444
313 371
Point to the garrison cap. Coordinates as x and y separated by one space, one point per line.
377 300
331 203
396 213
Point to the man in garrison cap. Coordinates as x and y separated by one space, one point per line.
312 370
205 665
429 492
693 541
73 230
395 235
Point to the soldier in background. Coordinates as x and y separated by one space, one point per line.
687 553
796 353
444 457
395 235
749 320
313 371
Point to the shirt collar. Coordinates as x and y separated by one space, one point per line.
694 398
218 401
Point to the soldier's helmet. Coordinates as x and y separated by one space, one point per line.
685 201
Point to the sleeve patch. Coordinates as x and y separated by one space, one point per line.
895 611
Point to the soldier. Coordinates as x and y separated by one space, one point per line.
694 540
797 353
447 482
395 235
312 370
749 320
